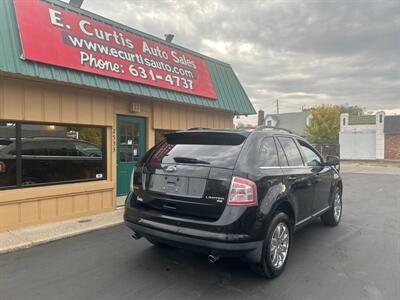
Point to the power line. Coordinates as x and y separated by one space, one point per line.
277 106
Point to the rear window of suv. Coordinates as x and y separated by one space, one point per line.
200 148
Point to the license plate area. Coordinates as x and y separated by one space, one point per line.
177 185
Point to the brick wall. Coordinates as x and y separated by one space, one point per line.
392 146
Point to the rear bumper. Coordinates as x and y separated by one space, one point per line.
233 234
172 235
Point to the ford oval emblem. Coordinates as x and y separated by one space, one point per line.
170 169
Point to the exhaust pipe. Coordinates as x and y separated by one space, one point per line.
136 235
213 258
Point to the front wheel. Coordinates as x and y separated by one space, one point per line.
276 247
334 214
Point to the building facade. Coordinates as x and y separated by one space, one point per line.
296 122
392 137
370 137
72 131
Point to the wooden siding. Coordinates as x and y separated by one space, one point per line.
53 203
179 117
25 100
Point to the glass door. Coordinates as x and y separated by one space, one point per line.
131 144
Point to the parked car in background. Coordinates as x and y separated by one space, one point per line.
233 193
5 142
50 159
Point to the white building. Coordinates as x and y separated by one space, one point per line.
362 137
296 122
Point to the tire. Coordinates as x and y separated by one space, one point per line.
270 267
333 216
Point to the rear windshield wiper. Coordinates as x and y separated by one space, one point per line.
190 160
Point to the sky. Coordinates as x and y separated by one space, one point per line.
304 53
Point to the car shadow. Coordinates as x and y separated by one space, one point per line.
186 264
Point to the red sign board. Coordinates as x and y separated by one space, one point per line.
53 35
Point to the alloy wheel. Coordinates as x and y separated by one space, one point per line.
337 206
279 247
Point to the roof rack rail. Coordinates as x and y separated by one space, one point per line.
216 129
262 127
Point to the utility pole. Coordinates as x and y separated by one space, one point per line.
277 106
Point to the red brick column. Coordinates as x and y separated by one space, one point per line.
392 146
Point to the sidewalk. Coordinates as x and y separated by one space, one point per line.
371 167
34 235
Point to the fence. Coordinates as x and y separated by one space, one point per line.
328 149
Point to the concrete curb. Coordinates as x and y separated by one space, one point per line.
36 235
368 169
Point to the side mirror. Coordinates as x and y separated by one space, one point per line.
332 160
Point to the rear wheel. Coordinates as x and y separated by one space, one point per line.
276 247
334 214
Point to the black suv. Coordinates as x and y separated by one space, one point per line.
233 193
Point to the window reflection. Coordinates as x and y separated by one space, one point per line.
312 158
53 153
129 142
292 152
7 156
50 153
267 156
215 155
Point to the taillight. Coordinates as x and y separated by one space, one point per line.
242 192
135 182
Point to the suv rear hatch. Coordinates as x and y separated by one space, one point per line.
190 173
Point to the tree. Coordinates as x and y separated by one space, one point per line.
352 110
90 134
324 126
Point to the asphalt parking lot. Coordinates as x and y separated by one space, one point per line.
359 259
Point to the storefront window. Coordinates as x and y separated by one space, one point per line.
47 153
7 155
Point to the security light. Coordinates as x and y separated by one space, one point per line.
169 37
76 3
